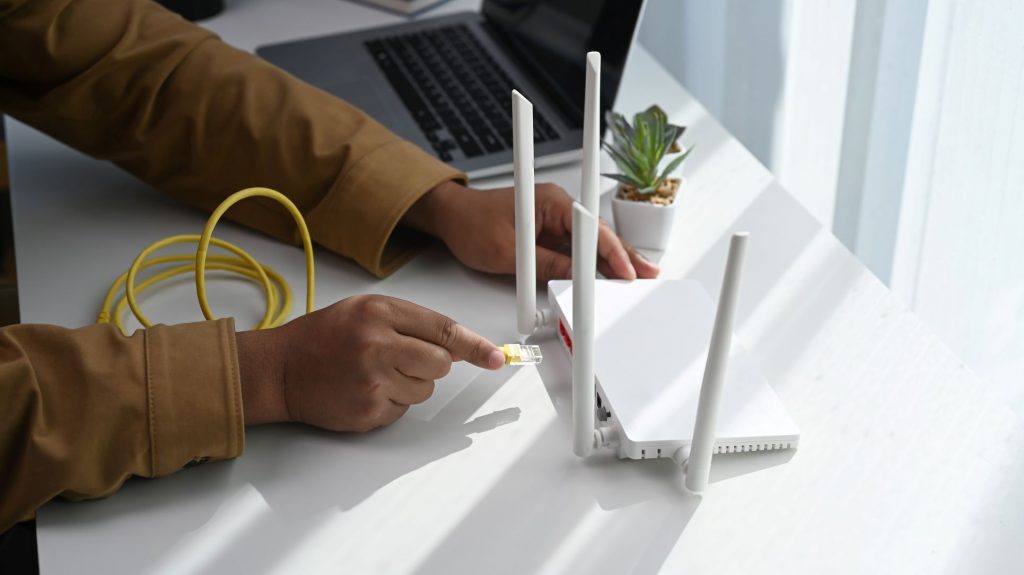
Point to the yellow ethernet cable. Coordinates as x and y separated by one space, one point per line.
278 294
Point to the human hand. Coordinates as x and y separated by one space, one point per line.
354 366
478 226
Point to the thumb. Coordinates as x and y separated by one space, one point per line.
552 265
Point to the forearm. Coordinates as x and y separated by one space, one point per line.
432 212
171 103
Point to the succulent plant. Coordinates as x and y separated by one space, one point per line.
638 149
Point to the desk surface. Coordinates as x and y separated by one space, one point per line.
907 462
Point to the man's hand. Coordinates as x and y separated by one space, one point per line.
478 226
354 366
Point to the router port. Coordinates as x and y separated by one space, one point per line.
564 334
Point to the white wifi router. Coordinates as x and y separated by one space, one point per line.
655 372
652 335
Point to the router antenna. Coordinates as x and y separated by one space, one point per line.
699 464
522 176
584 270
584 267
592 135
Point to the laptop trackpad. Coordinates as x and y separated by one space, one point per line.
366 95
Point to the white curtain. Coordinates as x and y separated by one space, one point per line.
959 254
899 124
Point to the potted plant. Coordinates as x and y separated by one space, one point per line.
645 201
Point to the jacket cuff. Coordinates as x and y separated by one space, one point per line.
194 394
372 196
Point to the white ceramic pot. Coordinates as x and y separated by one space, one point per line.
645 225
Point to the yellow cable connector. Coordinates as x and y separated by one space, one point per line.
517 354
279 295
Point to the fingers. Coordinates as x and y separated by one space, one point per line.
644 267
420 359
405 390
552 265
391 413
611 249
461 342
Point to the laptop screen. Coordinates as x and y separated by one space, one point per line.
554 36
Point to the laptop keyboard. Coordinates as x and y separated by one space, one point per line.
457 92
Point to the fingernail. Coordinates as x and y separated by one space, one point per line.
644 259
496 359
626 269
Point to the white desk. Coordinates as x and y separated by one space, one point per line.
907 463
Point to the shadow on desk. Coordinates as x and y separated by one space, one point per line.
300 472
307 486
601 515
306 497
307 491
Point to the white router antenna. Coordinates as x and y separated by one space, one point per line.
584 266
522 177
697 456
584 269
592 135
528 317
698 467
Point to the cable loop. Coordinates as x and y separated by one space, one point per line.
278 293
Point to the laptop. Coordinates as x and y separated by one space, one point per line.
444 83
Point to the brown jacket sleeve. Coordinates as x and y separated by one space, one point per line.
81 410
125 80
168 101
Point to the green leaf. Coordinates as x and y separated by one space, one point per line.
622 160
638 119
637 151
671 167
623 155
657 114
671 133
640 133
624 179
657 150
621 129
653 142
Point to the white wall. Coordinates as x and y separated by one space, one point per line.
880 102
960 252
774 72
900 124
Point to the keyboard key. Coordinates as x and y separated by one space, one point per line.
467 143
544 127
490 141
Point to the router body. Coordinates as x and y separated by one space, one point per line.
651 346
